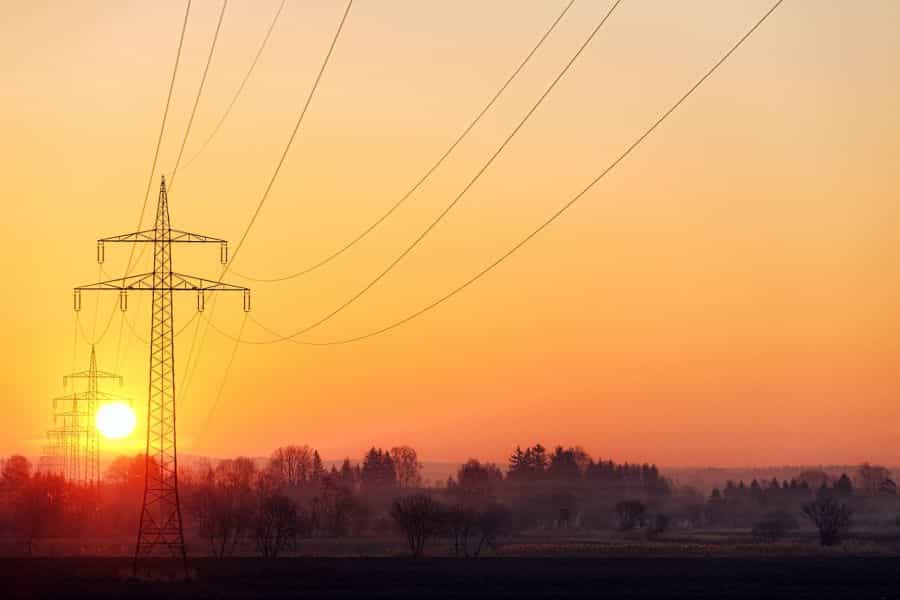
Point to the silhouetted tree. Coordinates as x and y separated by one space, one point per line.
334 507
490 522
567 464
318 469
459 521
830 517
518 466
276 524
348 475
38 506
419 517
223 504
291 465
631 514
378 469
774 526
813 478
843 486
870 478
407 466
15 473
476 480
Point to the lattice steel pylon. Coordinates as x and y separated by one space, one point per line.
79 434
161 533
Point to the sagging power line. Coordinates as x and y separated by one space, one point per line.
459 196
628 150
465 132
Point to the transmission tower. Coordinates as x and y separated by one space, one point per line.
161 533
79 436
52 459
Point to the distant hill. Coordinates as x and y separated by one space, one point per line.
706 478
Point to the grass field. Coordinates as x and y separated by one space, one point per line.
646 577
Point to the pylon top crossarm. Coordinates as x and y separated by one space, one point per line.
150 235
90 375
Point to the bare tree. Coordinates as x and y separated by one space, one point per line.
459 522
491 522
407 466
419 516
831 518
223 505
292 465
277 523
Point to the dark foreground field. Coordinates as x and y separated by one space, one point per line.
793 577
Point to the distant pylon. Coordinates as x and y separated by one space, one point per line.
91 398
161 532
75 440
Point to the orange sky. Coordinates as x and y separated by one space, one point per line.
727 296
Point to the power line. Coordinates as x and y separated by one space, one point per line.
215 404
460 195
271 182
187 132
427 174
162 129
175 170
546 223
290 141
237 94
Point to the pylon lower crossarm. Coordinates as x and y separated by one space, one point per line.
144 283
98 395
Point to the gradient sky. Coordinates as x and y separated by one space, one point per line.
728 295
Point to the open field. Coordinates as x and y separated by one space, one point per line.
653 577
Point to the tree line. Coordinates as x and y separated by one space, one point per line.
269 506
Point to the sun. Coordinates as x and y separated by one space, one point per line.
116 420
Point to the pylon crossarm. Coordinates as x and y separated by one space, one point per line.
147 235
83 396
89 375
190 283
176 236
144 281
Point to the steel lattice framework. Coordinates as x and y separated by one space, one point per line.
161 533
76 444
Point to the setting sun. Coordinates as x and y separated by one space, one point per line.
116 420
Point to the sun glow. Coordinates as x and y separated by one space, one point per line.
116 420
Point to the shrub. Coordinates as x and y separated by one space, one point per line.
658 525
631 514
768 530
774 526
